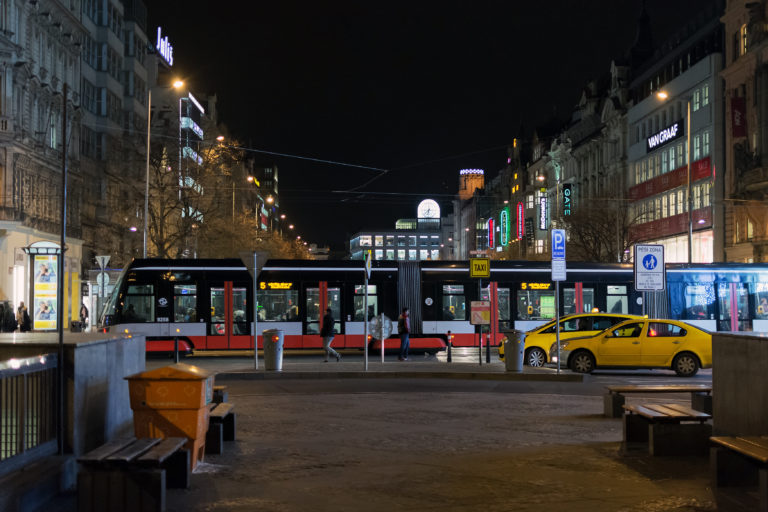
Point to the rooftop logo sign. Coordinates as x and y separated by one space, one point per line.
164 47
666 135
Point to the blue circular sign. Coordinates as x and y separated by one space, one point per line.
650 262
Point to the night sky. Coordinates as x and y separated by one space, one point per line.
419 89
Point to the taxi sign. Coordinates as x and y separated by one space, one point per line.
479 267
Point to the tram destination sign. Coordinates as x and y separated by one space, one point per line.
650 272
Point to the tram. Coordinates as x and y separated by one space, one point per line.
207 303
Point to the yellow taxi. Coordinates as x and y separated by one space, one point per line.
640 343
539 340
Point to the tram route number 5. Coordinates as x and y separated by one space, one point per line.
479 267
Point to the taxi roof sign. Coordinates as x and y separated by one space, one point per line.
479 267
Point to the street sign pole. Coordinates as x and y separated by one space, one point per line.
367 275
480 268
558 274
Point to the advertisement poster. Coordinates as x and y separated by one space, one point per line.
45 288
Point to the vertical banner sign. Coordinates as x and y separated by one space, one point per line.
543 213
46 288
491 227
520 221
566 199
738 117
504 224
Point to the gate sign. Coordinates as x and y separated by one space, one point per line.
650 275
479 267
480 312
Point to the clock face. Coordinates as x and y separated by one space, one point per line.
428 209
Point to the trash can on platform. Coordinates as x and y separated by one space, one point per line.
273 349
514 350
172 401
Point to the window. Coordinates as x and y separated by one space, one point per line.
696 198
705 95
664 162
378 254
672 159
680 202
664 206
696 100
92 52
616 299
379 240
359 302
696 147
400 241
540 249
454 302
401 254
390 240
365 241
742 40
185 303
139 303
705 144
435 254
680 155
390 254
672 204
424 254
413 254
91 144
628 331
664 330
278 305
699 302
651 168
91 97
535 304
114 107
412 241
114 20
529 202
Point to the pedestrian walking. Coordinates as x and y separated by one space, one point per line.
327 333
9 319
404 330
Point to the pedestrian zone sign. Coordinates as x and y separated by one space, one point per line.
479 267
650 272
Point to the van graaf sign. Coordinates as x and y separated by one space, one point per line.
164 47
665 136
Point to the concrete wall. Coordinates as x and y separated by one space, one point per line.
739 384
98 405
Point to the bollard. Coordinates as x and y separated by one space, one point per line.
450 342
175 349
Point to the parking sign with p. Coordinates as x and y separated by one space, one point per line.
558 244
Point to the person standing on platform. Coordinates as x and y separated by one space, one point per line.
404 330
327 333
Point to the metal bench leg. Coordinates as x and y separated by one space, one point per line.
763 489
612 405
214 439
229 426
146 489
177 470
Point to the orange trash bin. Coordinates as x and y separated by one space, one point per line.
172 401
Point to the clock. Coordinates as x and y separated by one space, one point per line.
428 209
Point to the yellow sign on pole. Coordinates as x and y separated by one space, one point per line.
479 267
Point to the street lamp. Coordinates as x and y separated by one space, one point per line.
662 95
176 85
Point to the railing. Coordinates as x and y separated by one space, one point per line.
27 410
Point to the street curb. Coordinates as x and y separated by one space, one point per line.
275 375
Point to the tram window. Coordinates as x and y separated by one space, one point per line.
218 326
401 241
616 300
570 304
239 317
504 306
726 301
278 305
536 304
760 293
699 301
390 240
139 303
412 240
185 303
454 302
359 302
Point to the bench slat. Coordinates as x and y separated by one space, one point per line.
161 451
106 449
687 411
133 450
746 446
656 388
222 410
644 411
663 412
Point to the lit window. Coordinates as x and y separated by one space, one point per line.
539 246
705 144
401 254
696 100
365 241
705 95
379 241
672 159
664 162
680 156
696 147
743 40
379 254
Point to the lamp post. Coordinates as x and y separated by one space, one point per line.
662 95
176 85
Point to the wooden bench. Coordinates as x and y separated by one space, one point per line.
130 474
220 394
741 461
701 397
666 429
221 427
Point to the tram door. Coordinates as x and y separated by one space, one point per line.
229 323
325 295
733 307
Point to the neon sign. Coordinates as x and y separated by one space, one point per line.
520 224
566 198
535 286
164 47
543 212
490 233
666 135
504 224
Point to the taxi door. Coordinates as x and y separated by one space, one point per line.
621 345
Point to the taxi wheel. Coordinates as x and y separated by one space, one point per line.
535 357
582 362
685 364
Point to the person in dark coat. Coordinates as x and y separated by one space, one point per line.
326 331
